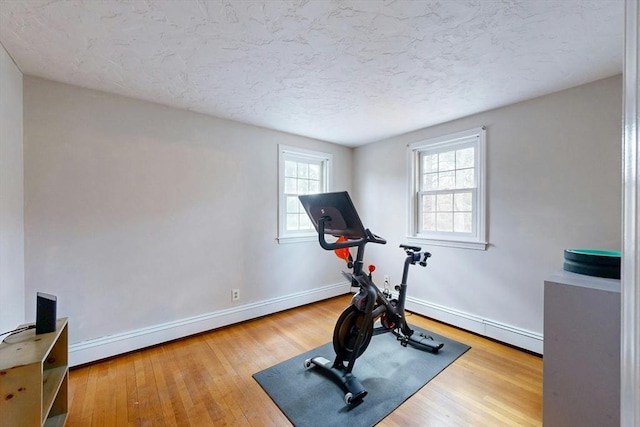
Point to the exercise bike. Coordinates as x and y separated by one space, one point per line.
335 214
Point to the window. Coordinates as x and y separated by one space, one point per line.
447 190
301 172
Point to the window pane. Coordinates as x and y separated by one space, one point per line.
429 163
464 178
291 185
303 186
464 158
293 204
444 221
462 222
290 168
303 170
430 181
446 180
304 222
314 172
314 187
462 202
429 222
447 161
292 221
444 202
428 203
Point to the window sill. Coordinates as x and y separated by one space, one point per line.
462 244
297 239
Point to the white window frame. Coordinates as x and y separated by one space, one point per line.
477 238
288 152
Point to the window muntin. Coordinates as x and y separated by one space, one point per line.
447 190
301 172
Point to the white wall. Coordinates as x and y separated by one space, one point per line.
12 301
553 183
142 218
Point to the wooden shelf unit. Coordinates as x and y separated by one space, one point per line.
34 377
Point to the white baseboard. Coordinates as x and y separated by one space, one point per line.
512 335
103 347
112 345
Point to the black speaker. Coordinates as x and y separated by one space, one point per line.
45 313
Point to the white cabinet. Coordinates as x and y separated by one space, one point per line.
581 384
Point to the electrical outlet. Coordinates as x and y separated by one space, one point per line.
387 280
235 294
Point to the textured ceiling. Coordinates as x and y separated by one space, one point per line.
350 72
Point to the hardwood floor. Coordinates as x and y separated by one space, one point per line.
205 380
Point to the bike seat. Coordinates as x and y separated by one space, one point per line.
411 248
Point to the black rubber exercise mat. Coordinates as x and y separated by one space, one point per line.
390 373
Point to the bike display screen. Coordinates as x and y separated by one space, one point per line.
342 219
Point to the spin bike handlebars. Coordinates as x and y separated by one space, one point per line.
369 238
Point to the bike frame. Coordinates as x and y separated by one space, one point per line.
334 214
377 302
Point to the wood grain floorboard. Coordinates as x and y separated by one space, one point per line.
205 380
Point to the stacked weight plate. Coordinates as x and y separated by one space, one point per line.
593 262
